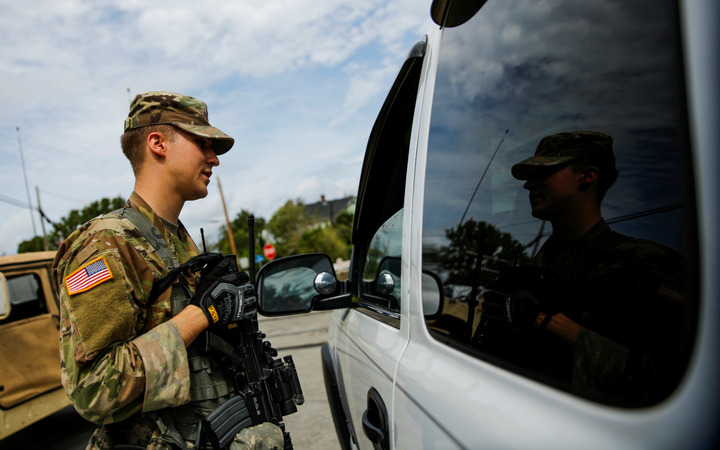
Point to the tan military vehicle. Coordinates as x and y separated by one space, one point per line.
30 387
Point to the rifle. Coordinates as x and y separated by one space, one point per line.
267 388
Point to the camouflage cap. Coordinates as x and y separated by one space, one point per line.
182 111
565 147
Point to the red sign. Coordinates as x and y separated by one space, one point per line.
269 251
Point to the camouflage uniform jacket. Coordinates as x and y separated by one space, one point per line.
121 357
628 295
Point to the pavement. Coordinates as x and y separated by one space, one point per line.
301 336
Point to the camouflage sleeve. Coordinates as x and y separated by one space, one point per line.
112 367
655 328
167 374
598 363
601 365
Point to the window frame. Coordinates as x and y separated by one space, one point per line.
383 180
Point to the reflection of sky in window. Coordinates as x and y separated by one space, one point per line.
388 239
535 69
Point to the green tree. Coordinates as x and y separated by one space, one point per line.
469 238
343 225
295 231
33 245
287 225
241 235
66 225
292 231
324 239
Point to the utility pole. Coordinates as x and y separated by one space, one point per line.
27 188
42 222
227 221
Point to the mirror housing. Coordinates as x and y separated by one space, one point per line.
453 13
5 307
433 297
300 284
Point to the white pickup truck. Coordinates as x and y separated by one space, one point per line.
439 215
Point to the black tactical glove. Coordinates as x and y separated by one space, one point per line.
222 294
517 308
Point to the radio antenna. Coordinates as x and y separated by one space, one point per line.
202 237
483 176
251 250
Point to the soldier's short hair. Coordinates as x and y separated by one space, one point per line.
133 141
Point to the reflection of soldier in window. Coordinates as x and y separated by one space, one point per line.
605 311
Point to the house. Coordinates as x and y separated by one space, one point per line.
330 209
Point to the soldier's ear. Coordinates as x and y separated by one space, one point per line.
157 142
589 174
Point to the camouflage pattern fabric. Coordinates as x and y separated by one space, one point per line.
629 295
182 111
122 359
265 436
120 355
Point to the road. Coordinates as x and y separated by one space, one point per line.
301 336
310 428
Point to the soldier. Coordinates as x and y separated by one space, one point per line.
599 305
124 360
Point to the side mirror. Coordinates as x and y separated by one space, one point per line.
452 13
298 284
432 295
5 307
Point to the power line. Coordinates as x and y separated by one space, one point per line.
12 201
53 194
648 212
21 204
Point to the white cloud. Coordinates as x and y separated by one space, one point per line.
296 82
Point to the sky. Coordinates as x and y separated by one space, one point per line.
297 83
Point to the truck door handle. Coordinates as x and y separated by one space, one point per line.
375 421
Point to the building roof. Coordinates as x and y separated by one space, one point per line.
330 209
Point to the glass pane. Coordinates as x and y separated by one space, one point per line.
519 72
290 290
26 297
23 289
381 276
4 299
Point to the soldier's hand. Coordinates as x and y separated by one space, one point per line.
222 294
517 308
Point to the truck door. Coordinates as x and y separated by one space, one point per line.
372 337
29 356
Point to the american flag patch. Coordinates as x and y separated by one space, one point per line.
88 276
672 289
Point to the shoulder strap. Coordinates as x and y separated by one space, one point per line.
150 233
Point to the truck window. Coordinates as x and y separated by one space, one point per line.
26 297
381 276
378 215
520 72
